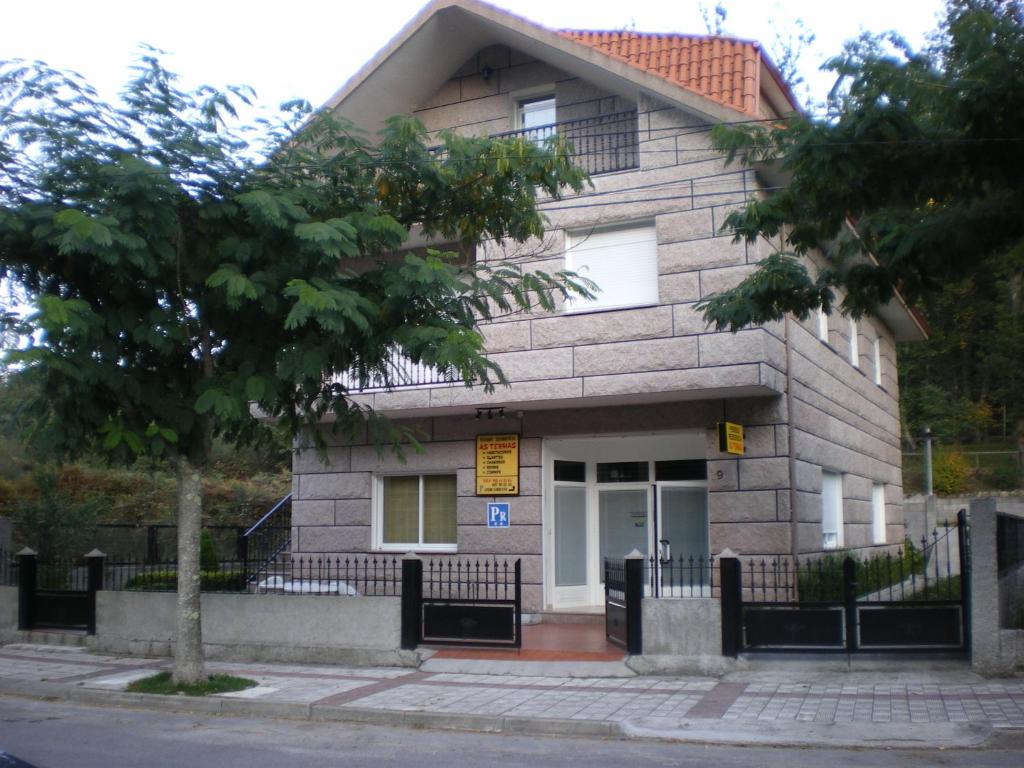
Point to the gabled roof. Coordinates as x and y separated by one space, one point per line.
723 69
716 78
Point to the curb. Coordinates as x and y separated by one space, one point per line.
694 731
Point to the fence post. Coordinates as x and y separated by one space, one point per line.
634 578
519 603
95 560
850 602
152 545
732 605
964 541
412 598
26 587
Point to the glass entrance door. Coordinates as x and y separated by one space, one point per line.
683 546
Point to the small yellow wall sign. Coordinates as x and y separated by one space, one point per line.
730 437
497 465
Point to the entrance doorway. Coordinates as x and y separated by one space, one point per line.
606 496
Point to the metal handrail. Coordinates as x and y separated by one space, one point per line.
267 516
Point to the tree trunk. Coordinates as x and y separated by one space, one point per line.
188 650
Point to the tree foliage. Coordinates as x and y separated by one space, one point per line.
191 282
181 277
911 181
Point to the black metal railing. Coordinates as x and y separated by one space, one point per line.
684 576
158 542
615 579
266 539
601 144
8 568
470 579
400 372
1010 569
926 572
339 575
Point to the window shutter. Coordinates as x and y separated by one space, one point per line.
622 262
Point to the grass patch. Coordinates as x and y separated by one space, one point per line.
163 684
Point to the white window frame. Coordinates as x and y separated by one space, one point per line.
878 360
524 101
878 513
831 519
854 344
605 299
822 324
378 517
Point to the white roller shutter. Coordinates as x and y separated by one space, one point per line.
623 262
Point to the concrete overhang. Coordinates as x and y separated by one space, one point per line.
446 33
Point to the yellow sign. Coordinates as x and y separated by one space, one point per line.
497 465
730 437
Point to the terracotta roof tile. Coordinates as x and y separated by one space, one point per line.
722 69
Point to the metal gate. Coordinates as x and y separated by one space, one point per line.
58 593
462 602
914 600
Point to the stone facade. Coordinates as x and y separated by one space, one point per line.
642 370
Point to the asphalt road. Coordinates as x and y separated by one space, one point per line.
58 735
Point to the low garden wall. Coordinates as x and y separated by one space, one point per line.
291 628
8 614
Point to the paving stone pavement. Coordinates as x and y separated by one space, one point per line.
789 705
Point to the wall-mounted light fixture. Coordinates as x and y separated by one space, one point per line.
490 413
486 72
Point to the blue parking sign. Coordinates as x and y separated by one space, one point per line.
497 514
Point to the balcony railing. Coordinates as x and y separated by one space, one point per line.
401 373
601 144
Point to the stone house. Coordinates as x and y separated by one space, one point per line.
615 403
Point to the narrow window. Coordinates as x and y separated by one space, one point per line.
878 361
854 345
878 513
822 325
831 510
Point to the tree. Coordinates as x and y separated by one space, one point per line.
191 281
911 181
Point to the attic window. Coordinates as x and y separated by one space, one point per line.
536 117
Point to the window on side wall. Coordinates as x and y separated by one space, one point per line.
623 262
854 344
878 513
831 510
416 512
877 350
822 325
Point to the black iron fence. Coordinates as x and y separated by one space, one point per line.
601 144
1010 570
683 576
624 584
926 572
264 541
8 569
461 601
910 600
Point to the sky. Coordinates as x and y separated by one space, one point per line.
309 49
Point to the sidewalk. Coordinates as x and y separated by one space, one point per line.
792 704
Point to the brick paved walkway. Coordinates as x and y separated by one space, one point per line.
666 703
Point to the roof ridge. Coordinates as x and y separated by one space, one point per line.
638 33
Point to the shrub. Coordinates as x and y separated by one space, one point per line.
822 579
207 553
167 581
950 473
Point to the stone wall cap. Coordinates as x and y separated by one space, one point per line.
27 552
636 554
96 553
411 556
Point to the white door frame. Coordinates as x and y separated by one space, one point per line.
659 446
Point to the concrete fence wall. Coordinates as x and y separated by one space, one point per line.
994 650
682 637
8 613
292 628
